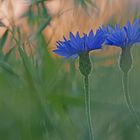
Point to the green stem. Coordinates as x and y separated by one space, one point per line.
87 105
128 98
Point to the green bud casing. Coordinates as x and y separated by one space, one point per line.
84 64
126 59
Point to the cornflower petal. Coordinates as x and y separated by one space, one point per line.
76 45
123 36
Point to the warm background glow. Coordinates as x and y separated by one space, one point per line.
66 16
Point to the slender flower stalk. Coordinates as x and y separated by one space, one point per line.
125 38
125 82
125 66
87 105
80 47
85 69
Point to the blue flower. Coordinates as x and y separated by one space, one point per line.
124 36
76 45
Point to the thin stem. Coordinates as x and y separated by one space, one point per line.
87 105
128 98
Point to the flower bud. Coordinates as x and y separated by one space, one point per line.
84 64
126 59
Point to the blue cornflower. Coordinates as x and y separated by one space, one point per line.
76 45
125 36
81 46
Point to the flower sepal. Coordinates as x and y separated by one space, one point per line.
126 59
84 64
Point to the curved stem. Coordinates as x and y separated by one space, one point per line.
87 105
128 98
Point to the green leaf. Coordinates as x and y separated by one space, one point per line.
3 40
25 60
29 72
44 24
40 29
8 68
88 5
84 3
37 1
8 54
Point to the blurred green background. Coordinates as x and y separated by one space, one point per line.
42 97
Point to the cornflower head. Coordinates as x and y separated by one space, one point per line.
80 46
124 37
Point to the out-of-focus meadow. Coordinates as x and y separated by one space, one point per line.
41 94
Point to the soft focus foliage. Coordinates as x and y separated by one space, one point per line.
41 96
